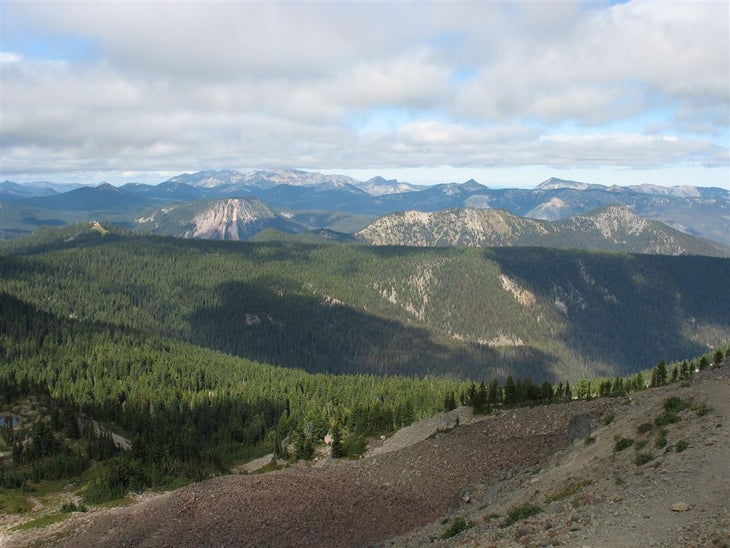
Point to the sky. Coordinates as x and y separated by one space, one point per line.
509 94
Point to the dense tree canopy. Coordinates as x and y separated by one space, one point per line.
169 343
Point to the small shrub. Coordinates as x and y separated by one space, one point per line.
681 446
608 418
661 440
355 446
622 443
589 440
644 427
666 418
639 445
458 525
643 458
520 512
305 449
570 490
701 409
673 405
68 507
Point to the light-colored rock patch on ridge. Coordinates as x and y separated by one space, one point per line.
524 296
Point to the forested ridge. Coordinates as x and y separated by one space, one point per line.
167 342
548 314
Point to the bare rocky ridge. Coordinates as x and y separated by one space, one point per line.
615 228
410 489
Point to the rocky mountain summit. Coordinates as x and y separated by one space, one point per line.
224 219
648 469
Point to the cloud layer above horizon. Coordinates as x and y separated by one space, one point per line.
135 89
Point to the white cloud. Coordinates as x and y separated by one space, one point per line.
165 86
608 65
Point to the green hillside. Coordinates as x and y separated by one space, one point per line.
545 313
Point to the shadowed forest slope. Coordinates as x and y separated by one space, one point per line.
531 312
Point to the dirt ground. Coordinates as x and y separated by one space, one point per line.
407 492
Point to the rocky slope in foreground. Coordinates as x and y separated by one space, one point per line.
411 489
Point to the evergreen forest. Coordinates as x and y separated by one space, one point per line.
167 361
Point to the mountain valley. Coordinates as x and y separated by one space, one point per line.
399 365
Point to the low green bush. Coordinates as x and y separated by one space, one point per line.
458 525
520 512
681 446
68 507
673 405
701 409
666 418
622 443
570 490
354 446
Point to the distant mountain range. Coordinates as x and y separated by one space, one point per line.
320 198
612 228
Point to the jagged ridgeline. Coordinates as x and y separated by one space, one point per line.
548 314
611 228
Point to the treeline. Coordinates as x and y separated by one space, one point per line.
525 392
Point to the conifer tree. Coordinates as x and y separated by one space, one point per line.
659 374
338 451
510 391
493 393
684 371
